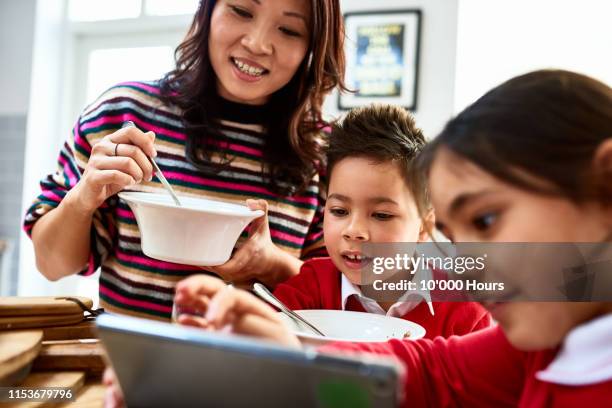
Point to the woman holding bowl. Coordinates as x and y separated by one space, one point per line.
239 117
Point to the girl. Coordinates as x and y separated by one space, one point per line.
530 161
239 117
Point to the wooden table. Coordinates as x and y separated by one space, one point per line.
68 357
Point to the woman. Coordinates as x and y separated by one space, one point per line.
238 118
530 161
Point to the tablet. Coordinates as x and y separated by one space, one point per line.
166 365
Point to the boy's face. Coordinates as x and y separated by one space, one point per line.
367 203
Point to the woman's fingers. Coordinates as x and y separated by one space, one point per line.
125 164
256 256
257 204
253 254
134 136
258 224
121 149
138 157
117 161
236 268
115 177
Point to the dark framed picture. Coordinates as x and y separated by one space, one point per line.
382 58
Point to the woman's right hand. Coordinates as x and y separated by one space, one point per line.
119 160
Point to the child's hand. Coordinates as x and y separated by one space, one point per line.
258 258
113 398
228 308
190 305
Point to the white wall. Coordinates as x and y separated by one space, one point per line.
42 145
437 58
501 39
16 34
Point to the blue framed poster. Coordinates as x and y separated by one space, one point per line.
382 58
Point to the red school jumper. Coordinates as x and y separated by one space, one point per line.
482 369
318 286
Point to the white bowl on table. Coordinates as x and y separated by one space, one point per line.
200 232
340 325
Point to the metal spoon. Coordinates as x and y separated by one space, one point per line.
158 172
263 292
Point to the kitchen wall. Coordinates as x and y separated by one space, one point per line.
436 82
497 40
16 37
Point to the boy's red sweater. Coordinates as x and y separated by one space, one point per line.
480 369
318 286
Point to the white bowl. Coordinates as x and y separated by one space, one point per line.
339 325
200 232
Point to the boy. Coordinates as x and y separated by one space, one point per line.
370 200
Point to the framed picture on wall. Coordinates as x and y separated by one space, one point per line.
382 58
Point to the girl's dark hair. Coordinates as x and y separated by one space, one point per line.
293 138
542 126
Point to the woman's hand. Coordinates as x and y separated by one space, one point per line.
118 160
258 258
113 397
230 309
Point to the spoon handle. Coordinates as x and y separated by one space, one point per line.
162 178
266 295
158 172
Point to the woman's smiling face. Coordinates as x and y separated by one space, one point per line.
473 206
257 46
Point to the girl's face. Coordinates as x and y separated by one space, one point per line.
473 206
256 46
367 203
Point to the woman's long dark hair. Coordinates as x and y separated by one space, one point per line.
545 125
293 148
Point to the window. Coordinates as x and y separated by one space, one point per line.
91 10
110 66
115 41
88 10
170 7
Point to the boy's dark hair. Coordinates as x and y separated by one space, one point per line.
381 133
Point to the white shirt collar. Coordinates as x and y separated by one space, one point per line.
404 304
584 357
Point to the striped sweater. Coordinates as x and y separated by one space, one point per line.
131 282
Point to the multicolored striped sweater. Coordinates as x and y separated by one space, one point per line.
131 282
